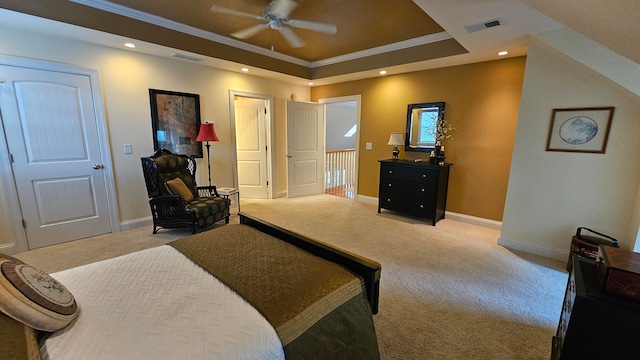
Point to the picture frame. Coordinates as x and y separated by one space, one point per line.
580 130
175 120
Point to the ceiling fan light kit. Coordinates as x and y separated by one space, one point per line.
276 17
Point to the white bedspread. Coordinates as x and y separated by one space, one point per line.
157 304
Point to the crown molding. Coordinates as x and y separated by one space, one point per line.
423 40
190 30
185 29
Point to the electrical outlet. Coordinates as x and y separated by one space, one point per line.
128 150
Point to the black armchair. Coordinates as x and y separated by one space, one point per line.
180 203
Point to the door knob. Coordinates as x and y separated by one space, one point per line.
289 156
98 166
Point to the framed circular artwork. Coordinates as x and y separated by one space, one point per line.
580 129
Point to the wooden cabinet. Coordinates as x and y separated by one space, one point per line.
594 324
414 188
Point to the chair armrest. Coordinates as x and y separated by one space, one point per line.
204 191
166 200
170 207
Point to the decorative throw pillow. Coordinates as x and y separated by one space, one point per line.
34 298
17 340
177 187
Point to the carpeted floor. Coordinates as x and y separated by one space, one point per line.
447 292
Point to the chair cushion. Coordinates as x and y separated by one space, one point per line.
177 187
209 209
34 298
171 167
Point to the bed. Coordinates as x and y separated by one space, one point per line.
275 294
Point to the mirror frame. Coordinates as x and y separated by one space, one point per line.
410 108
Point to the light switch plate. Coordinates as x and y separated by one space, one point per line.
368 146
128 150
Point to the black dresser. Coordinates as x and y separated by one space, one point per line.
595 324
414 188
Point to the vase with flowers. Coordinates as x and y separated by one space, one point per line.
442 130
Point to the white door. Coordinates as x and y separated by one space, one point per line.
49 119
251 147
305 148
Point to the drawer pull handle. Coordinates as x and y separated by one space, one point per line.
422 190
424 175
389 185
421 206
388 200
390 171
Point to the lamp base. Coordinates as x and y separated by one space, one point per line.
395 153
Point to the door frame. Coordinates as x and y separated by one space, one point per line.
270 128
358 100
6 170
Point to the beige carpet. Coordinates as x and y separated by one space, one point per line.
447 292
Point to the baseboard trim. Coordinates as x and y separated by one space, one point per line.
136 223
368 199
512 244
474 220
491 224
8 249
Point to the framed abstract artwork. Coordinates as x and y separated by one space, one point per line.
175 120
583 130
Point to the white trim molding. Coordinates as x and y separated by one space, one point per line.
136 223
367 199
190 30
474 220
513 244
468 219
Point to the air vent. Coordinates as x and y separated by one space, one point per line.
186 57
484 25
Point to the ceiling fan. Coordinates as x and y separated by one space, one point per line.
277 18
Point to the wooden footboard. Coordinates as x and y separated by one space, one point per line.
368 269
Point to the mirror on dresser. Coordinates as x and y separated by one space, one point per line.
422 122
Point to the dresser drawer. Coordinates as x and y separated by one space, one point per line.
422 190
415 174
408 204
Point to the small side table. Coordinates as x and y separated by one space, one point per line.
227 191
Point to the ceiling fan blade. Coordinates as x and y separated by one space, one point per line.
291 37
249 32
315 26
224 10
281 8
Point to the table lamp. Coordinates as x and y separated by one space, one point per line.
395 140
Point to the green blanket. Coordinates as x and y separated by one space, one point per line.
318 309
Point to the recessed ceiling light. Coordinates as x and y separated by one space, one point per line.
310 84
383 72
129 45
245 70
503 53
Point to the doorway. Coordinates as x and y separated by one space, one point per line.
342 140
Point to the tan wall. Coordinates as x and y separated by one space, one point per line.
482 101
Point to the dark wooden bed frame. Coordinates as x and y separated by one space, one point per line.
368 269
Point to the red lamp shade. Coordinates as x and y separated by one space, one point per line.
207 133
